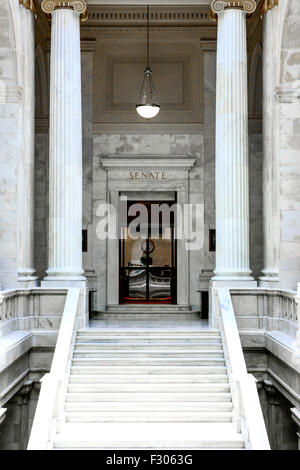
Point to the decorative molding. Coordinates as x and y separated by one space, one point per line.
108 128
218 6
284 95
88 45
208 45
265 5
149 162
11 94
79 6
108 16
30 5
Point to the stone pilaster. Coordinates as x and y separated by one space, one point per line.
65 144
26 271
232 187
271 220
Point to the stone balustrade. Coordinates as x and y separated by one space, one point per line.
268 309
7 305
27 309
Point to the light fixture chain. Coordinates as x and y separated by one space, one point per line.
148 37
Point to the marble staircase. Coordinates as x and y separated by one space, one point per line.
148 387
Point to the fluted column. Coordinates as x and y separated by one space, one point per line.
65 144
232 187
26 270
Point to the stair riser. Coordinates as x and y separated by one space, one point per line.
148 379
146 332
166 406
137 354
184 370
149 445
151 362
147 397
148 339
133 388
150 417
148 346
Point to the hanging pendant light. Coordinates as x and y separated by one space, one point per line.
147 104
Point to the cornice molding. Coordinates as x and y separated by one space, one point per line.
136 16
218 6
145 162
30 5
265 5
79 6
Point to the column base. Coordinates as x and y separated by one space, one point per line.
232 281
64 277
269 278
64 282
26 278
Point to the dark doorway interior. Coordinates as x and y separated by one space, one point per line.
148 258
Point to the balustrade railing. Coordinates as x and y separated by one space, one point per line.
247 414
49 414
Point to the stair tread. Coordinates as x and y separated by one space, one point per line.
160 351
102 434
146 378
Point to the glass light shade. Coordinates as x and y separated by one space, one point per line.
148 111
147 104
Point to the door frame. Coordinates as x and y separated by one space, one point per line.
176 179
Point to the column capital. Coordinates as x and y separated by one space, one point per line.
79 6
30 5
218 6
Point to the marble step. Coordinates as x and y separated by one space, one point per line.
143 353
148 378
148 387
121 362
149 416
147 369
135 406
147 339
148 435
217 345
147 396
136 332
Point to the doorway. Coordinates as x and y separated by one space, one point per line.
147 254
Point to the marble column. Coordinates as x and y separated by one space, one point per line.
271 219
26 271
232 186
65 145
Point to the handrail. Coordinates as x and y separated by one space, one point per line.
50 408
247 414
